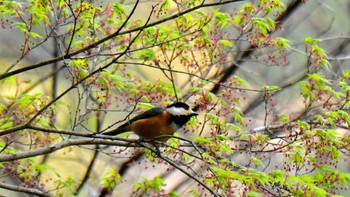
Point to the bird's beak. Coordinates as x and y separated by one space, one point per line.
194 113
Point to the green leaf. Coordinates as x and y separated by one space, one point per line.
283 43
193 122
318 50
111 178
278 176
223 19
344 86
214 119
303 125
325 63
311 41
283 118
119 10
137 185
335 152
257 161
202 140
222 137
158 182
164 6
238 116
211 96
225 173
2 108
22 27
6 123
344 178
70 184
174 194
83 73
234 127
225 43
268 6
104 81
145 54
264 25
240 81
35 35
194 193
10 8
271 88
253 194
319 119
145 105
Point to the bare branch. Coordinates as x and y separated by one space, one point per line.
54 147
26 190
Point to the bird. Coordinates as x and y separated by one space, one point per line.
157 122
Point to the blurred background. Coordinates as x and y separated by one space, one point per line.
325 20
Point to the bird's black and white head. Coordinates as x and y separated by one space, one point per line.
180 113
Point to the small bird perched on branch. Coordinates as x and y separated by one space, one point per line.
156 122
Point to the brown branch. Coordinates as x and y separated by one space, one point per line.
26 190
65 132
74 26
43 129
112 141
13 129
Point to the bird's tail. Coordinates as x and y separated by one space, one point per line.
117 131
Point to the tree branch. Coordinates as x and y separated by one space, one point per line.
26 190
113 141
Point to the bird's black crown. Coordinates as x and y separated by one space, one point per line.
179 105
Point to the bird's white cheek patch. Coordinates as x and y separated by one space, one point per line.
179 111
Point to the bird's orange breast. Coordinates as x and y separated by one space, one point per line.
151 128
